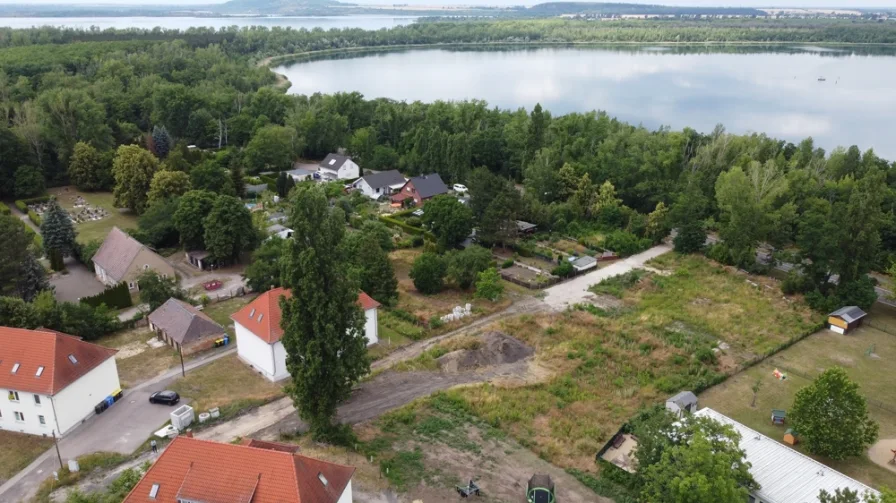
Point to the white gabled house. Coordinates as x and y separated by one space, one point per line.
258 331
382 184
338 167
51 382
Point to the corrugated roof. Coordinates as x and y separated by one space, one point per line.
429 185
849 313
183 322
384 179
262 316
212 472
683 398
64 358
117 253
785 475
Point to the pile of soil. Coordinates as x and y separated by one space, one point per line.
495 348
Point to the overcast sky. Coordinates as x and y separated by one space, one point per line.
703 3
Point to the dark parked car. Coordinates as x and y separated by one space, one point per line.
165 397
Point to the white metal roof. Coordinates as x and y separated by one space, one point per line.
785 475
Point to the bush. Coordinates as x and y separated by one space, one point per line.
417 241
116 297
21 206
435 322
414 222
564 270
34 217
401 314
428 273
625 243
392 222
507 264
4 209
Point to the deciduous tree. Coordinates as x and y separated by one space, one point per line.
263 273
32 278
133 169
189 219
371 267
428 272
29 181
87 170
465 265
228 229
13 253
167 184
155 290
489 285
450 220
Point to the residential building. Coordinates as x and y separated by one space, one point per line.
184 327
191 470
300 174
784 475
258 331
51 381
419 189
338 167
123 258
280 231
381 184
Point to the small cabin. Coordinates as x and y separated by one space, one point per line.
684 402
846 319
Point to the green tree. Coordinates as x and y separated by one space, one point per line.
844 495
156 224
658 223
57 230
361 146
133 169
155 289
489 285
237 180
29 181
13 153
228 229
15 312
687 214
13 253
87 170
498 223
167 184
465 265
32 278
323 327
263 273
189 219
161 141
428 272
211 177
285 183
831 416
538 121
371 267
382 233
272 148
450 220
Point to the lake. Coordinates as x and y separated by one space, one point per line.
775 91
182 23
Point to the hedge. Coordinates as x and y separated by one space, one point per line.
38 239
270 180
116 297
410 229
4 209
34 217
22 204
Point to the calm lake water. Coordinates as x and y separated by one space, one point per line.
182 23
777 92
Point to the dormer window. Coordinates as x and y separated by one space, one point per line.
40 370
15 368
154 491
260 316
252 313
72 359
323 480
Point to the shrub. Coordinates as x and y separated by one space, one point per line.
435 322
401 314
625 243
564 270
116 297
21 206
34 217
417 241
414 222
4 209
507 264
428 273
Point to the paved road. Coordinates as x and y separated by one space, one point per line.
575 291
122 428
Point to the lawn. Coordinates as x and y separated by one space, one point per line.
804 361
602 366
18 451
227 383
88 231
221 311
136 360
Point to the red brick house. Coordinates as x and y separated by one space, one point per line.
420 189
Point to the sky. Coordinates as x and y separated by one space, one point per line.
702 3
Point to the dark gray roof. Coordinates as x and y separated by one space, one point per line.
256 189
429 185
849 313
683 398
525 226
383 179
183 322
300 172
333 161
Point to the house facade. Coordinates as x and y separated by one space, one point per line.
379 185
184 327
418 190
123 258
51 382
338 167
193 471
258 332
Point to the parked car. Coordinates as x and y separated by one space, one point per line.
165 397
460 189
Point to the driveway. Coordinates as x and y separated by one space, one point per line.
79 282
561 296
122 428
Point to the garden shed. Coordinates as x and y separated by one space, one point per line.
684 401
846 319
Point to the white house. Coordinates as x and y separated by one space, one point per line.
338 167
258 331
51 381
300 174
785 475
191 470
280 231
381 184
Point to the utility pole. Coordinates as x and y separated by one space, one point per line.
56 443
183 372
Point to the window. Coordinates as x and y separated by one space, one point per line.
131 285
260 316
323 480
252 312
154 491
43 422
72 359
36 399
15 368
19 416
13 396
40 370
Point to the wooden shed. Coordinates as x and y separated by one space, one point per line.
846 319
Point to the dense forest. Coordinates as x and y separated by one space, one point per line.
118 114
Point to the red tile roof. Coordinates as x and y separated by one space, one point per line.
262 315
211 472
32 349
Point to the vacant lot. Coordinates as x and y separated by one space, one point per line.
138 361
18 451
221 311
608 363
227 383
97 229
867 354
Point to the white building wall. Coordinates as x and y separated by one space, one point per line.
349 170
280 371
347 493
254 351
366 189
371 327
30 409
76 401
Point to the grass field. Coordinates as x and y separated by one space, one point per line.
227 383
804 361
136 360
88 231
221 311
605 365
18 451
